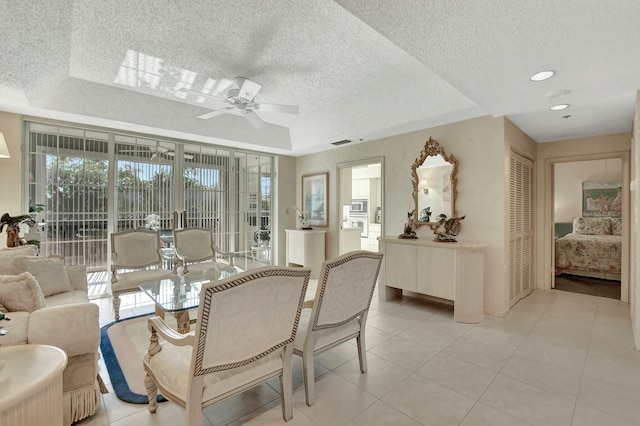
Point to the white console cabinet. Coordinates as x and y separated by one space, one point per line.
306 248
449 271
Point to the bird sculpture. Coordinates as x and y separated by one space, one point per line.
446 230
409 227
302 217
13 228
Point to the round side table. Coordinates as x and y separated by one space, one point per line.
31 385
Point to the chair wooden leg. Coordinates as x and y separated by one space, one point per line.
362 352
360 340
286 387
309 378
116 306
152 393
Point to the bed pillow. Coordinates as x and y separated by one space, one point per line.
8 264
616 226
592 225
50 273
20 293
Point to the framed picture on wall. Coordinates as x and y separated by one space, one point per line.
602 199
315 199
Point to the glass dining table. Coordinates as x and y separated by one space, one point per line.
178 295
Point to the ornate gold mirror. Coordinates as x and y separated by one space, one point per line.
434 175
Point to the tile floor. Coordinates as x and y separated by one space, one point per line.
557 359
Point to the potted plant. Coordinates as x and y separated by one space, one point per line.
264 235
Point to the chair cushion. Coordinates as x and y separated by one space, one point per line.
170 367
8 265
50 273
20 293
131 280
324 337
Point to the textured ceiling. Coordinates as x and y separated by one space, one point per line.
357 70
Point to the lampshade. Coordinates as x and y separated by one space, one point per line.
4 151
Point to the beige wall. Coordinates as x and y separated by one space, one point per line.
285 200
479 145
607 146
10 169
568 178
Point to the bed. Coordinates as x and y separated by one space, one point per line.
592 249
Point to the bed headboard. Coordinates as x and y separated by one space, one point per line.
563 228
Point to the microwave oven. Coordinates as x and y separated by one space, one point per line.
359 206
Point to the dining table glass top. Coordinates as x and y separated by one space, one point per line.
178 293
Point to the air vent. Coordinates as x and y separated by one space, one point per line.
342 142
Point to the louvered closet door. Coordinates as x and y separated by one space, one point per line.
520 227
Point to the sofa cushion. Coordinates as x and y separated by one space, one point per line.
67 298
49 272
16 329
8 264
20 293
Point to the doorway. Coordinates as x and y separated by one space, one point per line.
588 217
361 204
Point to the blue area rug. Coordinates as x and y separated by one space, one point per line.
113 354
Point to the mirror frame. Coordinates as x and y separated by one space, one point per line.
432 148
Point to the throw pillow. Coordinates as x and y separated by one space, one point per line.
8 265
616 226
592 225
20 293
50 273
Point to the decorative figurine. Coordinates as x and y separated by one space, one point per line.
409 227
425 214
446 230
302 217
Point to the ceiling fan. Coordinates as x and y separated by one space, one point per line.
241 98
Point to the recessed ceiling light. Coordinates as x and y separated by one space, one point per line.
559 107
542 75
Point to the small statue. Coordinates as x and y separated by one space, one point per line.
302 217
425 214
451 228
409 227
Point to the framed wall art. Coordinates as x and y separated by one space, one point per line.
315 199
602 199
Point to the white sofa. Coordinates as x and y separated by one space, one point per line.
53 308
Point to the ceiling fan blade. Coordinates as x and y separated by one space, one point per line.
173 154
248 90
287 109
213 113
254 119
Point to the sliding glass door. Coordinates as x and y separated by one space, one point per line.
91 183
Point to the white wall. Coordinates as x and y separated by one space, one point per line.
479 145
568 178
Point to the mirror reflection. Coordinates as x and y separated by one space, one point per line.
434 178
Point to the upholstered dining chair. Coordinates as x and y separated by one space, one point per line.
244 336
196 251
338 312
135 259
